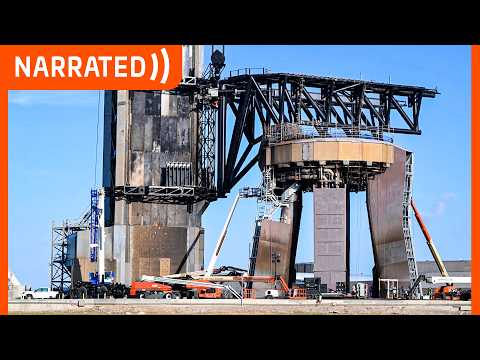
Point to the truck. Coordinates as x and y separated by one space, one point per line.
40 293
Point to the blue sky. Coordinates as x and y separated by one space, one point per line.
53 137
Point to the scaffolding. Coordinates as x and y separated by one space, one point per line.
60 269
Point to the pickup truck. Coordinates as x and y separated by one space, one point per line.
40 293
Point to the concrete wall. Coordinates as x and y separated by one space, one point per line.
155 238
331 236
143 131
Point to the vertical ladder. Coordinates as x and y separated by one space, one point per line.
406 224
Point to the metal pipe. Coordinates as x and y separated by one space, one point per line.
221 238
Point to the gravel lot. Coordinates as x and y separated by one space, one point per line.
234 307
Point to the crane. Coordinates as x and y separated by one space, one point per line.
430 244
243 193
446 290
247 192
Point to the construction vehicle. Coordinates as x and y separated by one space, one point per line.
195 288
229 271
246 192
95 288
275 293
100 284
245 280
92 290
210 283
447 291
157 289
210 293
151 290
284 292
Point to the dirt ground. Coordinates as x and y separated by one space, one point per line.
329 308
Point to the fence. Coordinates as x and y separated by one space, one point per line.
286 131
249 71
299 294
249 294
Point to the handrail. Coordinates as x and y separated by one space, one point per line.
282 133
249 71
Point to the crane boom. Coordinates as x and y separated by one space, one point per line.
221 238
246 192
431 245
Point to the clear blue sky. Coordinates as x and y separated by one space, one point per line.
52 145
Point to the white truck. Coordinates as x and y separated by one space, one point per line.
40 293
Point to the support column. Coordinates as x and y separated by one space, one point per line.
331 238
279 239
389 225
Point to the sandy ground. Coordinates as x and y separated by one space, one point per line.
233 307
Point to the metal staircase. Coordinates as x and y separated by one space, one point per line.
407 228
267 204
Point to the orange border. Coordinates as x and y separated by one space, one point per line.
475 180
4 203
8 81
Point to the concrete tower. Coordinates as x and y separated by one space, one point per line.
150 140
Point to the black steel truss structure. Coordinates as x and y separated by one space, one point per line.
186 195
206 145
60 270
266 100
351 106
